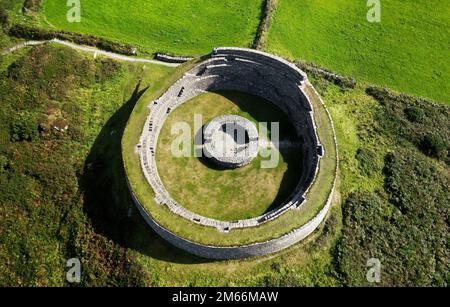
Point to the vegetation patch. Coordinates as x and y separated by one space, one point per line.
4 27
4 21
417 120
32 5
411 237
391 190
266 21
196 184
320 72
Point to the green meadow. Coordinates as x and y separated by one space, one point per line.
180 27
407 51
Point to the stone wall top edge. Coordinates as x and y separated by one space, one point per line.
262 53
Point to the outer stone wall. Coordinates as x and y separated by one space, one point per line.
235 252
253 72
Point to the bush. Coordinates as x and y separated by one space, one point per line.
415 114
367 161
107 69
24 128
422 122
434 146
3 163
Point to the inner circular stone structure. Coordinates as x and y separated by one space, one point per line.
256 73
230 141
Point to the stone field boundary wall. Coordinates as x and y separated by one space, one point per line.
260 74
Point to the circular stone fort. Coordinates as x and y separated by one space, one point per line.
231 142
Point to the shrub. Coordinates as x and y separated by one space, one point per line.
415 114
3 163
106 69
24 128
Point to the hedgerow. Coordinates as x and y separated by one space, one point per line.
260 41
319 72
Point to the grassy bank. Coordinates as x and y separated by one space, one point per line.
292 219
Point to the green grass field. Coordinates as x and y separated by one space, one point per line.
227 194
407 51
181 27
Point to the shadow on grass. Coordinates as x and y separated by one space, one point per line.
107 200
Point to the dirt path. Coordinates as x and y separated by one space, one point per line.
93 50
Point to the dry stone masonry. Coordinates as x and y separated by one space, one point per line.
230 141
256 73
